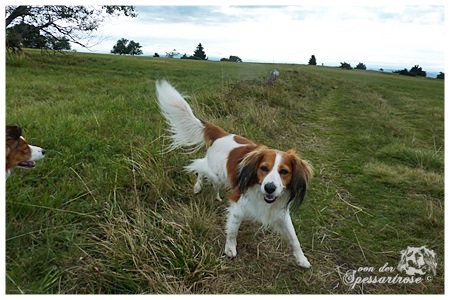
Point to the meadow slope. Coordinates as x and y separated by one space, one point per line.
107 211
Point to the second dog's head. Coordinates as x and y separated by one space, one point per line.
18 152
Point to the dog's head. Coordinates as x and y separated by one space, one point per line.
18 152
417 260
276 172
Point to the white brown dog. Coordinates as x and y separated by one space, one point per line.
18 152
265 182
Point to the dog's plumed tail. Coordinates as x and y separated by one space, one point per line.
187 131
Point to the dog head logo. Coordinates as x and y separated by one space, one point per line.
417 261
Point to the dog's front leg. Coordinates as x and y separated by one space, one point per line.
285 227
234 220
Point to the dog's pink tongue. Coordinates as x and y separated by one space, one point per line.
27 164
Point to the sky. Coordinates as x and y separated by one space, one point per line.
381 35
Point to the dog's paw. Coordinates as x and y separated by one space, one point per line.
230 250
303 262
218 198
198 187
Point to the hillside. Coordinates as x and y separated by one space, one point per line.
108 211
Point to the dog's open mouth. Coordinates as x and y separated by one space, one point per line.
270 198
28 164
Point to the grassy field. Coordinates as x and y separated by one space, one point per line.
107 212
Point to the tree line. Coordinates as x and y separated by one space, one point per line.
54 27
415 71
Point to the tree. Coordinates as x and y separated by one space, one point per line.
58 44
415 71
312 61
199 53
73 23
345 66
172 53
123 46
134 48
120 47
440 75
29 36
232 58
361 66
156 54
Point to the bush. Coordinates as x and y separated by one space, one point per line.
415 71
345 66
232 58
361 66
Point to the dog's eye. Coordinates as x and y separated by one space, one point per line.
264 169
284 172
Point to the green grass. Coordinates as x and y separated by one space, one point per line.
107 212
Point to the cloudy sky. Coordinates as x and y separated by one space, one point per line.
379 35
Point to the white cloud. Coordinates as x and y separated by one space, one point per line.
392 34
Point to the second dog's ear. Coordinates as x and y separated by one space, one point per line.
13 132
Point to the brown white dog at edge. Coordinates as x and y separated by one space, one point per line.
266 183
19 153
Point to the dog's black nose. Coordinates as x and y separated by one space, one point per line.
43 151
270 187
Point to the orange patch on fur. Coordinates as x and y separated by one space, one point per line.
241 140
212 132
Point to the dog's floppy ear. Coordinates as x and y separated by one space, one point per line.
301 174
247 169
13 132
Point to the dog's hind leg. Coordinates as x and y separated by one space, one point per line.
198 166
199 184
216 190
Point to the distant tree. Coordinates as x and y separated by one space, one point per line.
440 75
235 58
156 55
74 23
200 53
58 43
402 72
120 47
414 71
361 66
172 53
134 48
345 66
312 61
232 58
417 71
124 47
381 70
184 56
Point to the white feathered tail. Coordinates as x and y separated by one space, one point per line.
186 129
